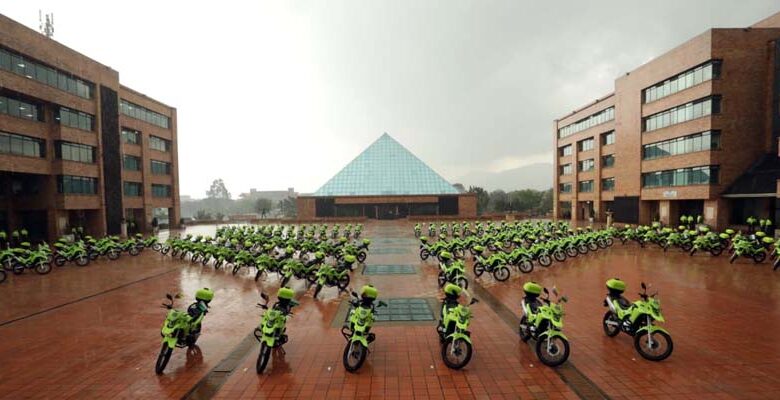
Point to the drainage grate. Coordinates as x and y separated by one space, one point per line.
388 269
413 309
389 250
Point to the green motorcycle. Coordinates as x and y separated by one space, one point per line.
637 319
39 259
455 339
356 330
182 328
452 271
75 252
329 275
271 333
542 320
754 247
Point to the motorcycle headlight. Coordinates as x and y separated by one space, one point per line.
269 324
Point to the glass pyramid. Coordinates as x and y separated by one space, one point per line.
386 168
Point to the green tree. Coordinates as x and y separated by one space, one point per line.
483 198
289 207
524 200
546 202
263 206
218 190
202 215
499 201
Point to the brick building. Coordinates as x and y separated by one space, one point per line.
694 131
386 181
76 147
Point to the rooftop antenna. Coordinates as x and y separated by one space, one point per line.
46 25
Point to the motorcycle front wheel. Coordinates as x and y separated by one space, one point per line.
559 256
113 254
456 353
263 357
479 269
163 358
715 250
354 356
552 352
501 274
659 350
525 266
82 261
544 260
43 268
758 258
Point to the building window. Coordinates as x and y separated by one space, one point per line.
608 138
608 184
704 141
686 112
565 169
706 175
133 189
586 165
131 163
131 136
68 184
586 186
20 109
564 187
565 151
161 190
161 168
75 119
585 145
689 78
75 152
55 78
585 123
156 143
144 114
20 145
608 161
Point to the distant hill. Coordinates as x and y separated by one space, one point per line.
535 176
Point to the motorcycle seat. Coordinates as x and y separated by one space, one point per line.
622 301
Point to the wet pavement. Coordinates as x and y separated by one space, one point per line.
93 332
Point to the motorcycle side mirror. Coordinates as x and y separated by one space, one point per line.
263 306
564 299
547 292
473 301
555 290
354 294
264 296
382 304
644 286
169 296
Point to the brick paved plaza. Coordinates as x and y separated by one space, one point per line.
93 332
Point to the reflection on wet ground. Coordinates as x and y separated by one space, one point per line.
93 332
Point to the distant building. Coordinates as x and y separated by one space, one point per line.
185 198
693 132
386 181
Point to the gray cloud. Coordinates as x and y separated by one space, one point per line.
276 94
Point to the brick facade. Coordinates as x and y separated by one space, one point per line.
45 205
744 122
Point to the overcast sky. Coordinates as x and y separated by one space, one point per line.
274 94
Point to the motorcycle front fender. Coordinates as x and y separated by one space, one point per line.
359 338
458 335
553 333
652 328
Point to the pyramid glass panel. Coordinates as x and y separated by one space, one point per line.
386 168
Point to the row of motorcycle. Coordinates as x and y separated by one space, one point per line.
287 251
503 246
755 244
18 254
